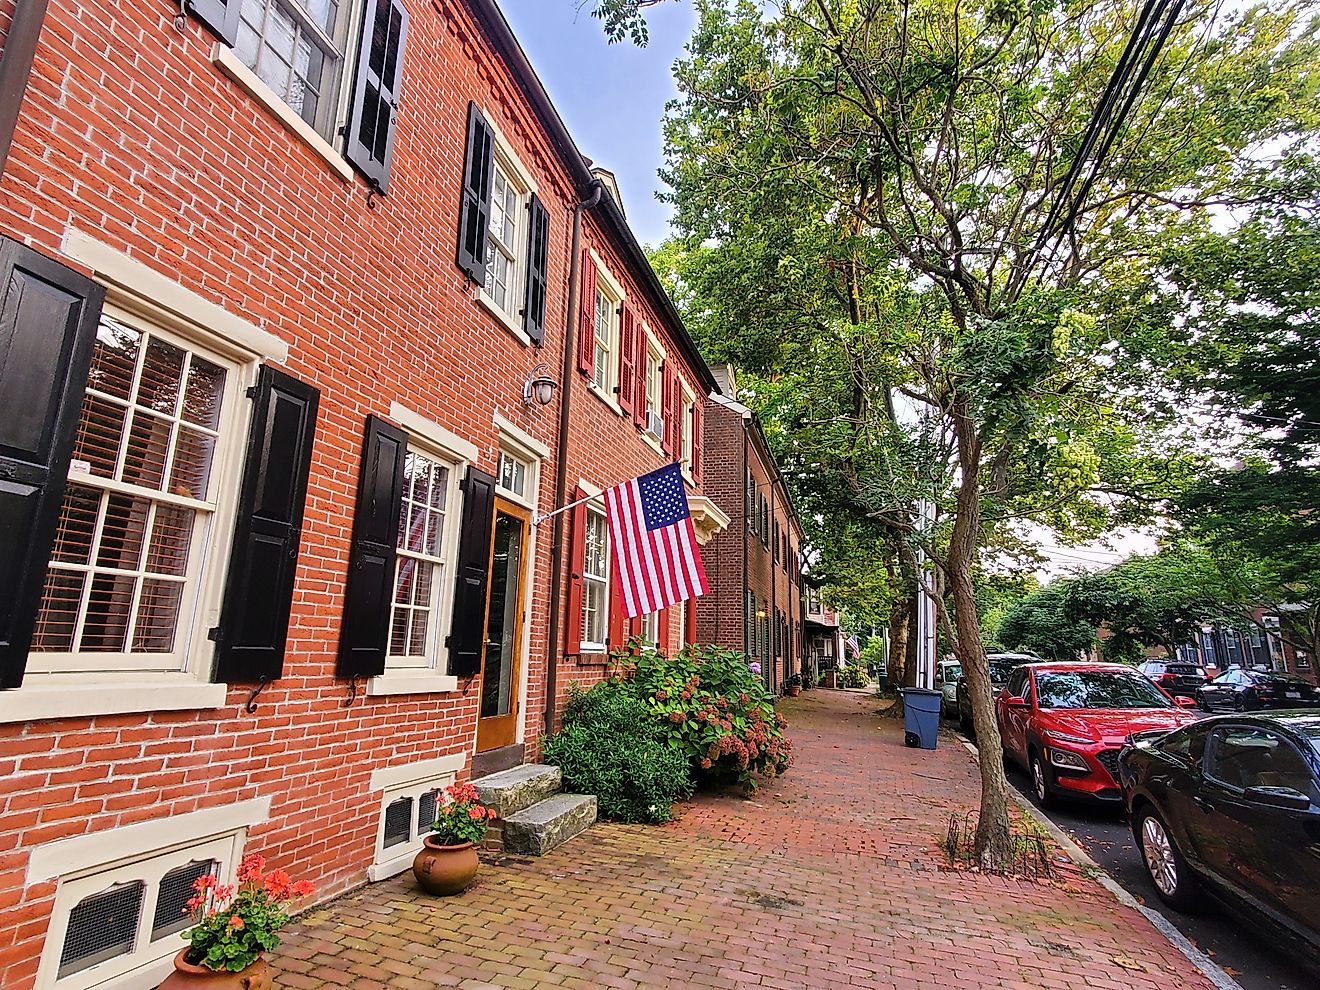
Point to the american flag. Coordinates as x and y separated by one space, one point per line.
652 542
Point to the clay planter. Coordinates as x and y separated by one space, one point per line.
186 976
445 870
794 690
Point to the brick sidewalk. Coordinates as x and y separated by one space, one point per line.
829 877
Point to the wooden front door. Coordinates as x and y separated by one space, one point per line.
497 722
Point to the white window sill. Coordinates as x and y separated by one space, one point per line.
649 439
232 66
506 321
419 683
687 476
35 701
604 396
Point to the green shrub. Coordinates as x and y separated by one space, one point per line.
712 708
855 677
612 746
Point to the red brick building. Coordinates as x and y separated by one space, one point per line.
755 602
307 310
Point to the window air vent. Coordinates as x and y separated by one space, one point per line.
398 821
176 890
655 424
101 927
426 808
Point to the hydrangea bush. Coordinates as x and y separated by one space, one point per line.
713 707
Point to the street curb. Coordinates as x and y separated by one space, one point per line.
1210 969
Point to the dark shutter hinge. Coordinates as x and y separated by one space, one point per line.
251 391
213 634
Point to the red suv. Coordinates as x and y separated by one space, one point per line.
1066 722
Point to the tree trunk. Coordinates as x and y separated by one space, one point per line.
994 845
898 643
911 645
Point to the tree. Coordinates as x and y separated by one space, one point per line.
1040 623
862 189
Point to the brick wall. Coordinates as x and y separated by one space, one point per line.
130 134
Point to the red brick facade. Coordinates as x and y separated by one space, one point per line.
132 135
755 603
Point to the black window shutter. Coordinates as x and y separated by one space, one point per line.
538 244
254 620
369 588
48 318
221 16
474 215
376 86
468 632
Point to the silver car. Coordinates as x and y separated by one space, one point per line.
947 673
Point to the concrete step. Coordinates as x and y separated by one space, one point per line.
511 791
549 823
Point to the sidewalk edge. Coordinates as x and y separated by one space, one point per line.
1210 969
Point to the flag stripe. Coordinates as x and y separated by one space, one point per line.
612 512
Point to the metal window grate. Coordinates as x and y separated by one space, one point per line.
101 926
426 808
398 821
176 889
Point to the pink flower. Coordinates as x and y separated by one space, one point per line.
490 812
705 763
303 888
235 922
476 814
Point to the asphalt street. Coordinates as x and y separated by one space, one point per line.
1105 835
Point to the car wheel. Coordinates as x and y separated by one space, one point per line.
1239 704
1041 783
1165 865
1201 703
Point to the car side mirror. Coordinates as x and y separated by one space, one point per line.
1278 797
1182 701
1013 702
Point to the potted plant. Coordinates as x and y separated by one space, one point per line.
793 686
235 924
448 860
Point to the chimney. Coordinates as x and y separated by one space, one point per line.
726 380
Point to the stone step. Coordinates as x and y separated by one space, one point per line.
511 791
549 823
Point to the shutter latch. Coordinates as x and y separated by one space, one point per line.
213 634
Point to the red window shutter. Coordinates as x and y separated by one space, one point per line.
627 359
665 640
667 408
619 632
643 360
577 563
697 422
690 619
587 317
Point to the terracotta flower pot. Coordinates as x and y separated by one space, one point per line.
444 870
794 690
186 976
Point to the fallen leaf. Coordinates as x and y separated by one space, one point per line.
1127 963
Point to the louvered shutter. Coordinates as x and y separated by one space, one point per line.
474 211
375 108
254 621
619 626
221 16
577 564
48 318
643 365
587 317
627 359
663 623
698 438
369 585
667 409
538 253
467 634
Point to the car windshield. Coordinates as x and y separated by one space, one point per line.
1263 678
1097 689
1310 730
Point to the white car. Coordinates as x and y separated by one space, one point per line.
947 673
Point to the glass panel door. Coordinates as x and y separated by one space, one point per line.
499 676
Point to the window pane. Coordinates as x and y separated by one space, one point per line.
108 609
59 611
162 374
148 446
73 539
114 361
123 532
100 431
191 474
157 616
201 400
171 539
426 811
101 927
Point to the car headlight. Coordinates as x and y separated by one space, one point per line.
1062 758
1064 737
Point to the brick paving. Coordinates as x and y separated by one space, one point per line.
829 877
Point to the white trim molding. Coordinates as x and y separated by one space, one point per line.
707 518
403 774
98 850
432 432
35 701
430 682
131 282
519 438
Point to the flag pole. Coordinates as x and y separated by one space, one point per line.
538 518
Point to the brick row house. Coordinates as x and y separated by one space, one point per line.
1268 642
307 311
756 599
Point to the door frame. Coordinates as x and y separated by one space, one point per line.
510 732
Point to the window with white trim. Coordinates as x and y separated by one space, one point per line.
513 474
655 382
297 48
595 582
688 406
418 620
651 628
506 245
159 422
116 926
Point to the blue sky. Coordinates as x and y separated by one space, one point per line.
612 97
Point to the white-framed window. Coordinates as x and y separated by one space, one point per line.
297 48
410 794
651 627
512 186
655 381
117 927
514 473
608 303
595 582
422 578
158 434
687 405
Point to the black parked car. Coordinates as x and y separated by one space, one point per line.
1245 690
1175 676
1001 666
1231 806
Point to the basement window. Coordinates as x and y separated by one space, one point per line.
407 814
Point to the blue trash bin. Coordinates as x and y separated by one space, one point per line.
921 717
